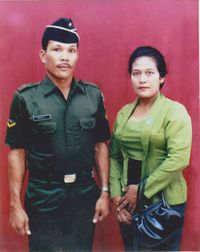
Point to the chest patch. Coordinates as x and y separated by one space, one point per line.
39 118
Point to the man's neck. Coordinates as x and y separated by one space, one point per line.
63 84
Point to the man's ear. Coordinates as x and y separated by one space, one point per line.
42 55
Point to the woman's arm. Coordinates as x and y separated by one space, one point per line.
178 135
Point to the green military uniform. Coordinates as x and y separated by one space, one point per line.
59 136
57 132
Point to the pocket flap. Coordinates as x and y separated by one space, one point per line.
87 122
45 127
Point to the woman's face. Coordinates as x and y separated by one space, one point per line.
145 77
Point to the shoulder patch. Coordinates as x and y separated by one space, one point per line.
11 123
27 86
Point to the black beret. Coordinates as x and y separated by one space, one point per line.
62 30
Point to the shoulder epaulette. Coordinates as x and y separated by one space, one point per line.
27 86
89 84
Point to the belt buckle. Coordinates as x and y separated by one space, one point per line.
70 178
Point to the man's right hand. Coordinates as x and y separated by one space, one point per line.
19 221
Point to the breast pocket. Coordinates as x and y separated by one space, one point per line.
43 128
87 134
44 136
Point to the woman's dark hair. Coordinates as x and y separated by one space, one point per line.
149 52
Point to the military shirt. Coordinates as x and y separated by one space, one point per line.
58 134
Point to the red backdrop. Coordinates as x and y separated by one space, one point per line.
109 30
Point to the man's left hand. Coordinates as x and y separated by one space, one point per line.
102 208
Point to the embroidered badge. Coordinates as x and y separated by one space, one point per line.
11 123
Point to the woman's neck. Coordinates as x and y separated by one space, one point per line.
147 102
141 112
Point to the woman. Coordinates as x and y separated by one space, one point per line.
151 138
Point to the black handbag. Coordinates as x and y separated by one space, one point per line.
155 224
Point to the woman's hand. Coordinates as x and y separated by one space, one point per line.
129 200
123 215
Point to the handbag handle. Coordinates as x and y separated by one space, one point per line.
141 197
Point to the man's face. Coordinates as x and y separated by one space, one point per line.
60 60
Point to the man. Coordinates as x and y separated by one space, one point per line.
58 126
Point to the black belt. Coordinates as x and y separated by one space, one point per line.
68 178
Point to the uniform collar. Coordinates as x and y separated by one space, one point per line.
78 85
49 86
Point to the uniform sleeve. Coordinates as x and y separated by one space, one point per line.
16 135
116 165
102 126
178 135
